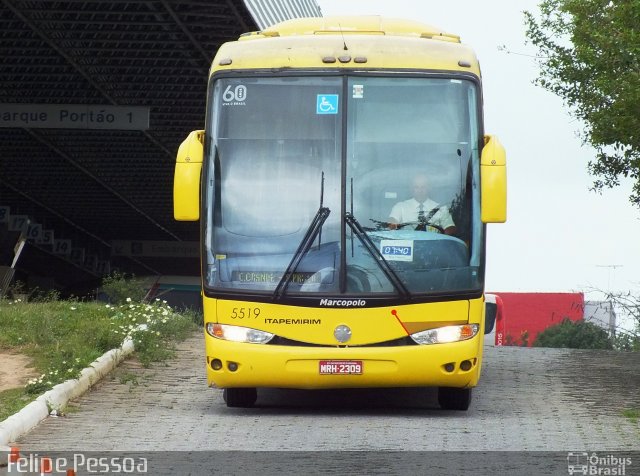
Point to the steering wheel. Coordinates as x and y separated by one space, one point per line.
385 225
423 227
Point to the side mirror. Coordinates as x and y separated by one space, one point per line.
493 181
186 179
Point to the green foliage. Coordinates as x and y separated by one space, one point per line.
522 341
632 414
17 288
574 335
627 306
63 337
152 327
19 292
194 316
12 401
625 341
119 287
589 53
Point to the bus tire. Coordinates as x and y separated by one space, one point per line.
451 398
240 397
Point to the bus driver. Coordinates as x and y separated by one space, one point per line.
421 211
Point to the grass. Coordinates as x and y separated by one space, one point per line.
12 401
63 337
632 414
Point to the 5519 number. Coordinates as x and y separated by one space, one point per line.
245 312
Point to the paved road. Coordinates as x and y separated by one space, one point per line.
546 400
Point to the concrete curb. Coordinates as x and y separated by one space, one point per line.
19 424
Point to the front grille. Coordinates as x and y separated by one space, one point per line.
277 340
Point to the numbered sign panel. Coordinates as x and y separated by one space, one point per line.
77 256
46 238
62 247
103 267
34 232
4 214
18 223
91 262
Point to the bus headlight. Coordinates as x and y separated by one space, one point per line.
238 333
443 335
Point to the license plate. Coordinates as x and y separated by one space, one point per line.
340 367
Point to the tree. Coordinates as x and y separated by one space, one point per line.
589 54
574 335
627 304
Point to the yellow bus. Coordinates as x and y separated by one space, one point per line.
318 271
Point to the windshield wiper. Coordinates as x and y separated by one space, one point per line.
303 248
375 253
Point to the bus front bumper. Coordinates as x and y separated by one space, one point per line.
232 364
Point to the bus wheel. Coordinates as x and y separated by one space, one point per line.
240 397
451 398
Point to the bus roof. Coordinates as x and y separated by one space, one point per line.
371 24
363 42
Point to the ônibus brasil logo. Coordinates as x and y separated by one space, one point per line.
584 463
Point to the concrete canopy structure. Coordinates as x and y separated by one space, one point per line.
93 187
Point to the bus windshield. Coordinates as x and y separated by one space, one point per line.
343 185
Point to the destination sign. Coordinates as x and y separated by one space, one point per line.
74 116
273 277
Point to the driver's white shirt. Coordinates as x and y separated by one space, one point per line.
407 212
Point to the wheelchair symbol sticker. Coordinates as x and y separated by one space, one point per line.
327 104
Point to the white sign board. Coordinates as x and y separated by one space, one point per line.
46 238
34 232
74 116
62 247
397 250
19 223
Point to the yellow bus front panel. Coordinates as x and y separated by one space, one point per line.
288 367
378 353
